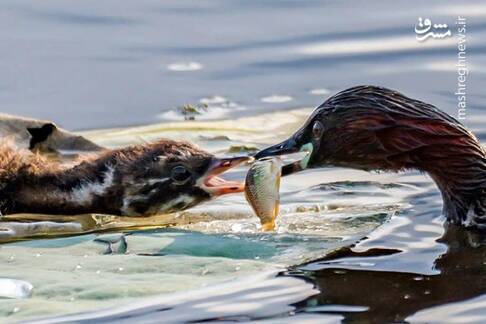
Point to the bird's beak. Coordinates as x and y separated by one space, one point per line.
217 186
288 147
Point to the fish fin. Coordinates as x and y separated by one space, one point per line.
268 226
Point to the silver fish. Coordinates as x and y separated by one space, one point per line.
262 187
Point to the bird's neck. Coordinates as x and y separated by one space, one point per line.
464 198
83 188
461 178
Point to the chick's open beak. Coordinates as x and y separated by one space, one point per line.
218 186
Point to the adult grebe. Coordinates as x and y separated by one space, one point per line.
373 128
148 179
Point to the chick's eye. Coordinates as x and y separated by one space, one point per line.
180 174
317 130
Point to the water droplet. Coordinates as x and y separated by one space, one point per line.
37 255
205 271
11 258
418 278
276 99
15 309
406 296
98 271
184 66
120 269
78 267
427 292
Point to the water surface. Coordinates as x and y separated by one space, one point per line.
372 247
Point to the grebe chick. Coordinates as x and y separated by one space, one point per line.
162 177
373 128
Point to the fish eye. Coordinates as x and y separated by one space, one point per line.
180 175
317 130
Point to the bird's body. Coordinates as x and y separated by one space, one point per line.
148 179
373 128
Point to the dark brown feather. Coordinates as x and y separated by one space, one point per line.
376 128
32 183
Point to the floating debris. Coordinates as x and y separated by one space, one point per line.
190 111
214 138
242 149
220 102
208 108
306 209
184 66
12 230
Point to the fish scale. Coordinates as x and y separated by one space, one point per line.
262 190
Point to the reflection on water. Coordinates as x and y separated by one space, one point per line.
412 263
263 296
357 295
213 244
394 296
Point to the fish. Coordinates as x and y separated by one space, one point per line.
262 190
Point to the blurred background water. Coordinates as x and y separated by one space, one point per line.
94 64
102 64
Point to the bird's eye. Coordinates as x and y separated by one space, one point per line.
317 130
180 174
156 158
